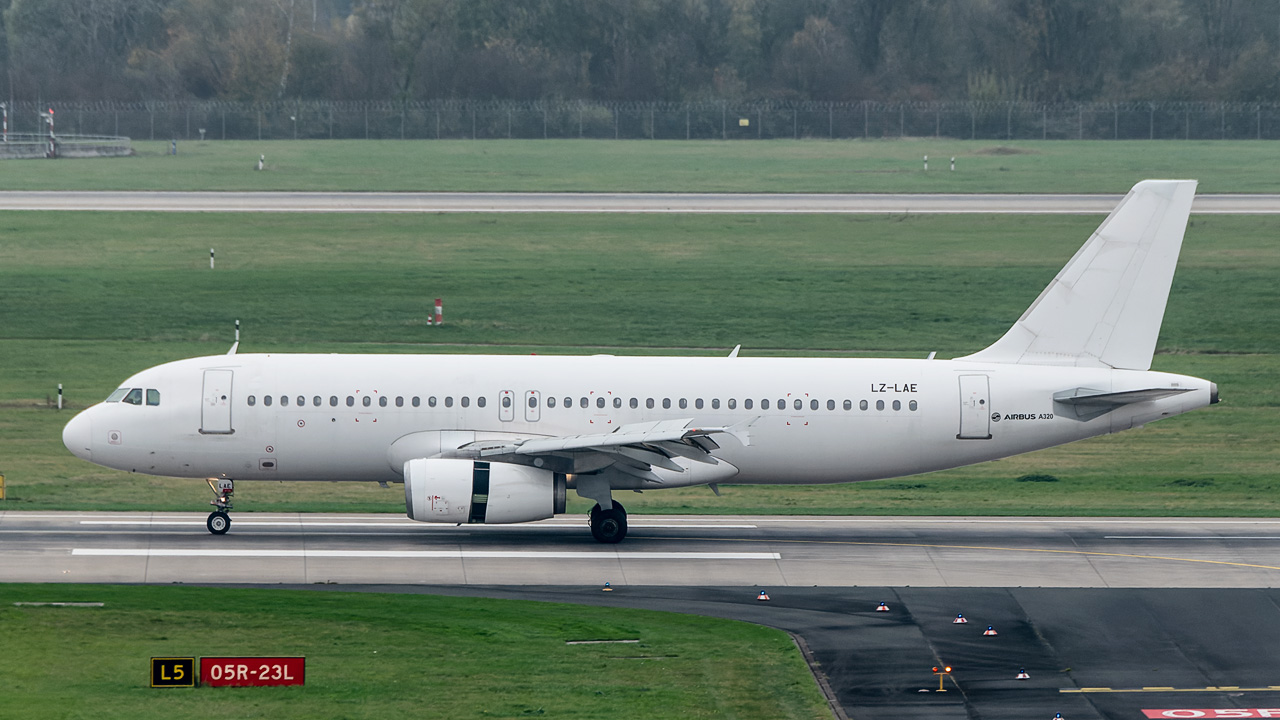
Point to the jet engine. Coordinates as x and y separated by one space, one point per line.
468 491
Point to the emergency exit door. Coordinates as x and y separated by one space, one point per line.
975 408
215 407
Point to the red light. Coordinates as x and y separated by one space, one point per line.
935 669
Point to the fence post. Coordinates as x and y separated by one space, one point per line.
1115 109
902 120
1186 119
1080 122
759 123
1151 121
330 106
224 123
403 105
188 136
724 132
973 124
653 126
366 122
1008 122
152 112
508 123
437 123
1258 108
579 120
544 122
615 123
259 123
937 123
686 122
795 129
1223 108
473 121
1044 122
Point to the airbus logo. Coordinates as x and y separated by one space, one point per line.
995 417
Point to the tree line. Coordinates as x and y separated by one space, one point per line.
642 50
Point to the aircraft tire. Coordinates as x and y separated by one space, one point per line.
218 523
609 526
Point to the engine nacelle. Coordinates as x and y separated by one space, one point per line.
469 491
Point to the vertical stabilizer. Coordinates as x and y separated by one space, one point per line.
1105 307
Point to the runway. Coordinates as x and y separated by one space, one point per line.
380 202
1109 617
741 551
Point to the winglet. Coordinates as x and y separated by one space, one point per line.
234 345
1104 309
734 352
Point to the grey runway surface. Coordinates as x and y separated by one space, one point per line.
768 552
374 202
1108 616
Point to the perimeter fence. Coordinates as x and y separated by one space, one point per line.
440 119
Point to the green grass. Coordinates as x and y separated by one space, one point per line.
86 299
389 656
663 166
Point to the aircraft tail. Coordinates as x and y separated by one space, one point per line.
1105 307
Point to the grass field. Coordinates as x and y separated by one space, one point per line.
664 166
88 299
389 656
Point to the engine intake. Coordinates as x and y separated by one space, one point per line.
467 491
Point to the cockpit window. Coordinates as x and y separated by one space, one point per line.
118 395
134 397
153 396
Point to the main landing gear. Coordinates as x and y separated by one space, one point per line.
219 521
608 526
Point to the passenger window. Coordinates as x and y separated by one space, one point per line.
897 404
431 401
551 401
666 403
764 404
733 403
683 403
284 401
382 401
266 400
813 404
879 404
448 401
366 401
533 401
831 405
399 401
252 401
635 403
782 404
715 403
799 404
351 401
617 402
466 401
913 406
862 405
746 404
599 402
480 401
316 401
417 401
582 402
848 405
333 401
648 403
697 403
302 402
118 395
568 403
153 396
506 401
134 397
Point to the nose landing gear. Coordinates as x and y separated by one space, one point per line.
219 521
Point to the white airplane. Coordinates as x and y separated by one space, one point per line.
500 439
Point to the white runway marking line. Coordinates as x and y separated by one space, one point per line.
1191 537
420 526
420 554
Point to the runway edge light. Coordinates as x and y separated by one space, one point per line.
960 619
990 631
1022 674
882 608
762 596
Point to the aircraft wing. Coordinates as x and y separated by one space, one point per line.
633 449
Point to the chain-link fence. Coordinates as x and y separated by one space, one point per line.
166 120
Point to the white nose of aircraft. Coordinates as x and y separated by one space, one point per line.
78 436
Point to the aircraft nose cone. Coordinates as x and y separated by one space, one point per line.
78 436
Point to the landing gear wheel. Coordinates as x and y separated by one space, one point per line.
608 526
218 523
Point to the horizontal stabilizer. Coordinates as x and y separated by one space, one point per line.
1087 404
